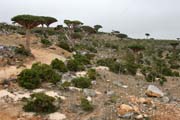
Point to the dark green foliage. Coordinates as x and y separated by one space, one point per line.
46 73
46 42
86 105
22 51
92 74
88 29
81 82
59 65
97 27
32 78
27 21
74 65
40 103
29 79
121 35
83 59
131 68
151 77
64 45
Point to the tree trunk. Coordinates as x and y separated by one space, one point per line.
28 40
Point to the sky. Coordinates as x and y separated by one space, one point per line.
160 18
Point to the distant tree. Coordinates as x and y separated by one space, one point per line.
136 49
28 22
114 32
97 27
88 29
178 38
121 35
174 45
70 32
48 20
147 35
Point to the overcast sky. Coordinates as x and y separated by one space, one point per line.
160 18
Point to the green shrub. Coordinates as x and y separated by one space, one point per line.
92 74
59 65
131 68
46 73
32 78
81 82
40 103
74 65
29 79
64 45
167 71
83 59
162 80
86 105
22 51
151 77
176 74
46 42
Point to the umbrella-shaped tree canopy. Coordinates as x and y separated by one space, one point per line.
48 20
28 21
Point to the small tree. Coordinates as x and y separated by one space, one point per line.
136 49
97 27
121 36
28 22
147 35
174 45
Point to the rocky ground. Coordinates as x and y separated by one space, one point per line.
115 97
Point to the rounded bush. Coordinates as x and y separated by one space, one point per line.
81 82
29 79
59 65
86 105
40 103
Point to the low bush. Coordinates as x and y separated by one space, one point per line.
29 79
40 103
74 65
32 78
92 74
22 51
46 73
86 105
46 42
131 68
81 82
59 65
64 45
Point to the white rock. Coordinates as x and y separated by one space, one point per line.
81 74
153 91
38 90
56 116
52 94
75 88
102 68
89 98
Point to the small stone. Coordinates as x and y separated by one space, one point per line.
89 92
165 99
153 91
124 109
56 116
139 117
